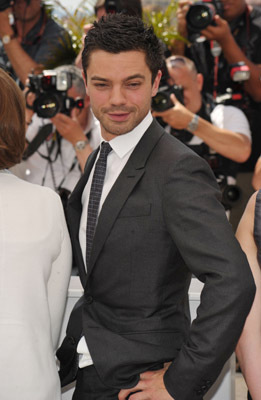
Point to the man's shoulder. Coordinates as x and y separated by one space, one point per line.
232 118
227 109
52 27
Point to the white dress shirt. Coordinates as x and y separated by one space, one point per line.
122 147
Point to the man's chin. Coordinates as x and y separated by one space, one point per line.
118 128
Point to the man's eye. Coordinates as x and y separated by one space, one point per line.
133 84
100 85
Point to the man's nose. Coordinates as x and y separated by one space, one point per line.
117 96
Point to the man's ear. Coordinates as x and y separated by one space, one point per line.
86 101
156 82
200 81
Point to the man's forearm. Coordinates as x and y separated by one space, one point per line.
21 62
232 145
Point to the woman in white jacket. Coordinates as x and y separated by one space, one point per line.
35 265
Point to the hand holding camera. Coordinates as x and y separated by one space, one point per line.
178 116
219 32
69 128
182 10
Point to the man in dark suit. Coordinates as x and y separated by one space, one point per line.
160 220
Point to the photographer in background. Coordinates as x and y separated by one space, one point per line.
28 41
218 133
70 135
232 37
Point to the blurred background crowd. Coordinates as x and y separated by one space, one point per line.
212 71
209 96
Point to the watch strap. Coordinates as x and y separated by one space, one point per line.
193 125
81 144
7 38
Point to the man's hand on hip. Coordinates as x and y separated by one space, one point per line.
150 387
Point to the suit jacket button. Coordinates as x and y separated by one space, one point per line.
71 339
89 299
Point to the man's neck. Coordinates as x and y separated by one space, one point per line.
23 27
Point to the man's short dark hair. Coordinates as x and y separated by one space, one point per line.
117 33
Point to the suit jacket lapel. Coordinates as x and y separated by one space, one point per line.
127 180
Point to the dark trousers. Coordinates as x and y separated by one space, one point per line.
90 387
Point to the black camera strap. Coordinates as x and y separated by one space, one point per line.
43 132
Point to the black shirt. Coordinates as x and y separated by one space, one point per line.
246 30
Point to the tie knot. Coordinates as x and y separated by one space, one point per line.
105 149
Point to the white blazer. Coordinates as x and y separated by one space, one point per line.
35 266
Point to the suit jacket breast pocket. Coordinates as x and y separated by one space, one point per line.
139 210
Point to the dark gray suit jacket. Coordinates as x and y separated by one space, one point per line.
161 222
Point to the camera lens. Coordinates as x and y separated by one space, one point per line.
231 194
161 102
199 16
46 105
111 6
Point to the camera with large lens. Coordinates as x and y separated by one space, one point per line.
4 4
162 101
225 171
50 89
231 193
201 14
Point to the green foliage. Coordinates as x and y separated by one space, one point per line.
73 21
164 22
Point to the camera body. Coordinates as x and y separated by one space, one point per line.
201 14
225 171
162 101
50 89
234 95
112 6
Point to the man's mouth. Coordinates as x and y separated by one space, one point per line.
118 117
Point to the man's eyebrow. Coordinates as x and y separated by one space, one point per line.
135 76
98 78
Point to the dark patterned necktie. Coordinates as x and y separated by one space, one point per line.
95 196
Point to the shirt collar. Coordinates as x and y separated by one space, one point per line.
122 144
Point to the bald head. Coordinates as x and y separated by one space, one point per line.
182 71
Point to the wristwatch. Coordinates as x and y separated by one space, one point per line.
6 39
80 145
193 125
